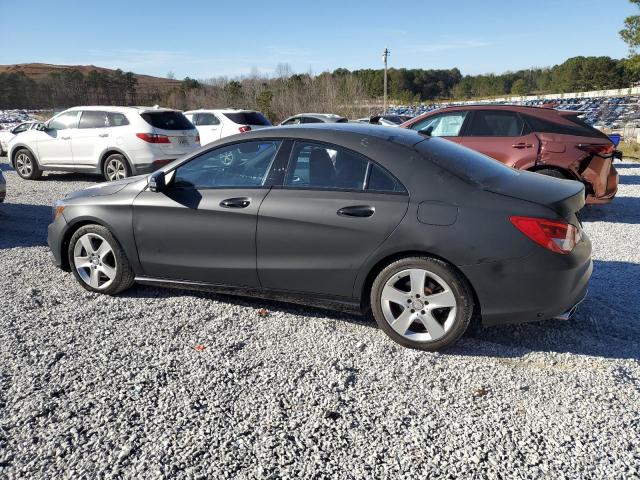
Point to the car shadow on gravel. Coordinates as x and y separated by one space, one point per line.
23 225
292 308
607 323
620 210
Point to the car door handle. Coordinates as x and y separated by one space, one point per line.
103 135
357 211
522 145
240 202
65 138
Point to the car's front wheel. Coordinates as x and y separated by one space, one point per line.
422 303
26 165
98 261
116 167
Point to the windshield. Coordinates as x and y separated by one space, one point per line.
464 163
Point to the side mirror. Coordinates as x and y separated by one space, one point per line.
157 182
426 131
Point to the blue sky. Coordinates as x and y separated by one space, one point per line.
230 38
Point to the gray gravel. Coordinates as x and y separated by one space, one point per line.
100 387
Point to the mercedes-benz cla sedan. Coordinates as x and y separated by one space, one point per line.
424 233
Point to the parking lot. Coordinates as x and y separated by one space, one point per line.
166 383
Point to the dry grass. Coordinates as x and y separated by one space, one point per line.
630 150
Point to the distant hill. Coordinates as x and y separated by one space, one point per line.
38 70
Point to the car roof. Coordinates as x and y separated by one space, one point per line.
221 110
331 117
345 132
109 108
503 106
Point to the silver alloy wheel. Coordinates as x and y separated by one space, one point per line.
24 165
116 169
419 305
94 260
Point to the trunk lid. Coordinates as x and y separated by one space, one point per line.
565 197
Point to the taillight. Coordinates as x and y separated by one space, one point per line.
197 138
153 138
555 235
244 129
601 149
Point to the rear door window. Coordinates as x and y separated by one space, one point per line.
495 124
93 119
206 119
312 120
117 119
320 166
444 125
248 118
167 120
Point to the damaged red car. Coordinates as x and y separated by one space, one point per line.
540 139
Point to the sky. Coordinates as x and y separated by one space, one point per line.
233 38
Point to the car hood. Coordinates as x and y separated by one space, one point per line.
106 188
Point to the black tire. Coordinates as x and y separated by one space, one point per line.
458 321
124 276
553 172
111 172
26 165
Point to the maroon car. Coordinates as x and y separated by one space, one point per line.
539 139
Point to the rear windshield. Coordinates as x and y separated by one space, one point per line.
248 118
577 127
464 163
167 120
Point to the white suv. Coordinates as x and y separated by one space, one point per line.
213 125
114 141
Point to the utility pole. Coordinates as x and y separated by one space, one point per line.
385 55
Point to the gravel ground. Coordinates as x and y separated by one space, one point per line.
101 387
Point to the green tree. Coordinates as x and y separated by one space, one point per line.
519 87
631 36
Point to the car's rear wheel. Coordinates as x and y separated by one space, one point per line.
26 165
98 261
116 167
422 303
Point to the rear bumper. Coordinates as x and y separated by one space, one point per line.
603 178
541 286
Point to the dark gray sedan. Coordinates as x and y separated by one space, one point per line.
424 233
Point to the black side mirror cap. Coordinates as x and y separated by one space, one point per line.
157 182
427 131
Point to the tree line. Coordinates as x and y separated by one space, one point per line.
350 93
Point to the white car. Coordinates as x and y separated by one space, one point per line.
7 135
216 124
113 141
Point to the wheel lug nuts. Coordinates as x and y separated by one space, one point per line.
417 295
422 312
408 300
413 311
